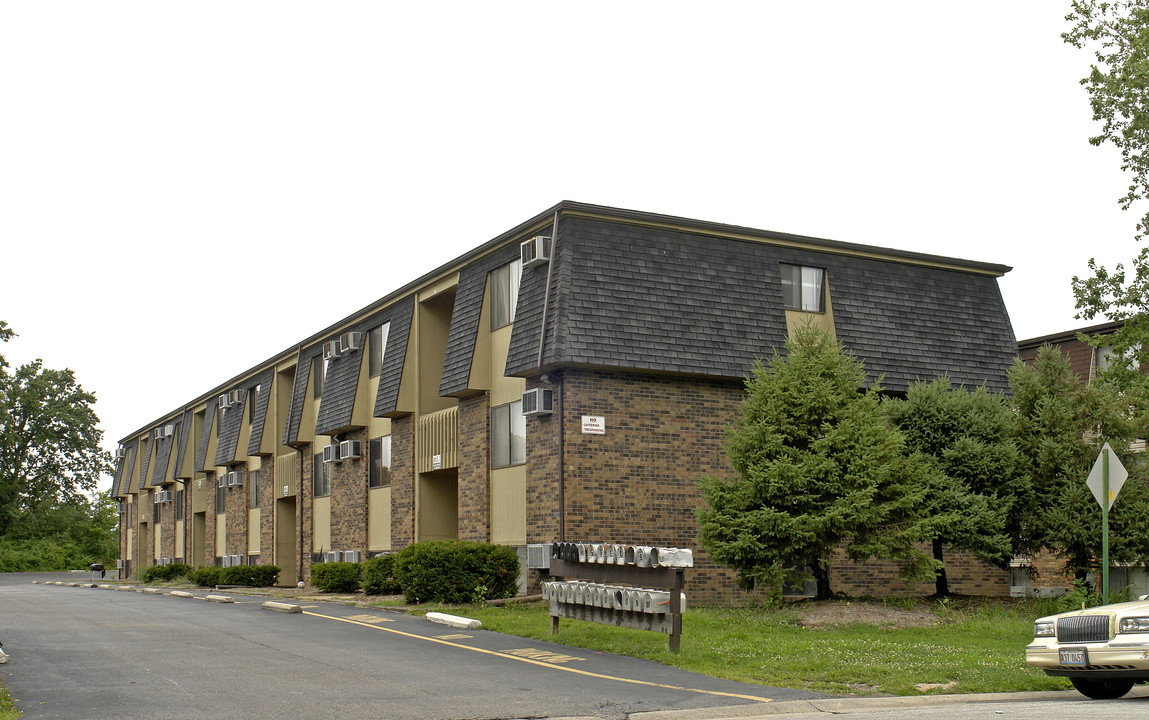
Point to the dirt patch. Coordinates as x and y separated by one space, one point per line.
853 612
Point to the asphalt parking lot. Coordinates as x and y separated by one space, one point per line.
92 652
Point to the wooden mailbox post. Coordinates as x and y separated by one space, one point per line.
615 579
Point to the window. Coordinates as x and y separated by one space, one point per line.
155 508
253 489
377 346
379 452
504 284
321 477
508 435
804 288
252 396
220 499
318 373
179 504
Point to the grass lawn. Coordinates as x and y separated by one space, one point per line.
972 647
8 710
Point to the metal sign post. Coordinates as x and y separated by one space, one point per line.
1105 480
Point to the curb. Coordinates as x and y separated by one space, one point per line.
454 621
834 706
281 607
219 598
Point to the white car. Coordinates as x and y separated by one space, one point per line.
1104 651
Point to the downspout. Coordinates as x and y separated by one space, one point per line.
299 526
299 485
539 364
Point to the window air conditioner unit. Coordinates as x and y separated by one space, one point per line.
331 453
331 557
225 400
158 433
227 560
351 556
538 557
165 561
235 478
223 479
120 453
350 450
158 497
120 508
535 251
539 401
169 430
236 396
330 349
350 341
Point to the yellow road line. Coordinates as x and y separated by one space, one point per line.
540 663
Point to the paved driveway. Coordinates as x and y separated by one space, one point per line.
92 653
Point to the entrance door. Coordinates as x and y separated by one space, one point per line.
286 538
199 530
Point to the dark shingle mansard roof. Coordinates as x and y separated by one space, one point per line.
670 300
230 423
394 358
163 455
261 403
205 436
182 439
465 318
118 474
338 403
145 453
129 468
567 339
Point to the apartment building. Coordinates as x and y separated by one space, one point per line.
569 379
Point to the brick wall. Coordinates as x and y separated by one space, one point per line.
236 513
402 482
638 482
349 499
966 574
306 503
267 510
474 469
210 551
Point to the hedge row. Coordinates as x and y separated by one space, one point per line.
248 575
449 571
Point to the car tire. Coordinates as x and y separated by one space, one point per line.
1101 689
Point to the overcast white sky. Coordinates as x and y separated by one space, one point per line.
187 189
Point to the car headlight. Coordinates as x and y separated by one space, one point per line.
1134 624
1044 628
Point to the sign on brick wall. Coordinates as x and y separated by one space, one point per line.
593 425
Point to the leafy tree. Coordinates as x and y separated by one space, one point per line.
975 495
1117 32
49 441
1118 87
817 465
1062 421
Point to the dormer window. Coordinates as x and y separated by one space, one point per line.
803 288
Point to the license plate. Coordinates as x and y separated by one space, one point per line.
1073 656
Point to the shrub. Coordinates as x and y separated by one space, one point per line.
164 573
249 575
456 571
379 576
207 576
336 576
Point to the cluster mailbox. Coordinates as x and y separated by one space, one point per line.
637 586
